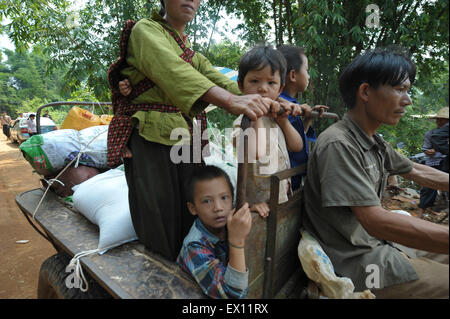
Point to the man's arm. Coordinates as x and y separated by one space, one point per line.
409 231
427 141
427 147
428 177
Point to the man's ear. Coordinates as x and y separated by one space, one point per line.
364 92
191 208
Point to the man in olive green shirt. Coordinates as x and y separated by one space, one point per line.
347 173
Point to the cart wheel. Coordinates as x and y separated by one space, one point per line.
52 282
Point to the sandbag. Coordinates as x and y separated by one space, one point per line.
318 267
103 199
50 152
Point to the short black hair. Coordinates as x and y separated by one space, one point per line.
205 173
293 55
258 58
376 67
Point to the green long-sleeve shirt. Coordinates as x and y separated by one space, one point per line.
154 53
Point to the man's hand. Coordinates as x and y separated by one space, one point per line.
430 152
125 87
261 208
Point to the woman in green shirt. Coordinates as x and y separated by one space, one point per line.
182 84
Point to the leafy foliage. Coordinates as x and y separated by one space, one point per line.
78 45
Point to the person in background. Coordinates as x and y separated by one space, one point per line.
434 159
31 125
6 123
47 114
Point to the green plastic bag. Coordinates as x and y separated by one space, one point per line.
33 153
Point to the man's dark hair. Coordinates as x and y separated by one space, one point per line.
258 58
205 173
375 67
293 55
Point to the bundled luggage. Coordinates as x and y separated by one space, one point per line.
79 119
49 153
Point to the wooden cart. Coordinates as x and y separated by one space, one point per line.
132 271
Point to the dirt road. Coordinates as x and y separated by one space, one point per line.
20 263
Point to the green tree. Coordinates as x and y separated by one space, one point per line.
332 33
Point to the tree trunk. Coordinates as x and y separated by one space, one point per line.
274 9
280 23
287 4
216 18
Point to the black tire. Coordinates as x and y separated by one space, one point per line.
52 281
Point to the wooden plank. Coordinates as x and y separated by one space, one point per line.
127 271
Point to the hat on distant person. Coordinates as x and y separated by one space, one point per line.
441 114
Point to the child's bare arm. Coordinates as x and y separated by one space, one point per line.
239 225
294 141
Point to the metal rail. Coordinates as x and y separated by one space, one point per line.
38 112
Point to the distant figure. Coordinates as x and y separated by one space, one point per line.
32 125
46 114
435 157
6 122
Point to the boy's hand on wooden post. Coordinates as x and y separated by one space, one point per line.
306 110
239 224
320 109
274 109
261 208
296 110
